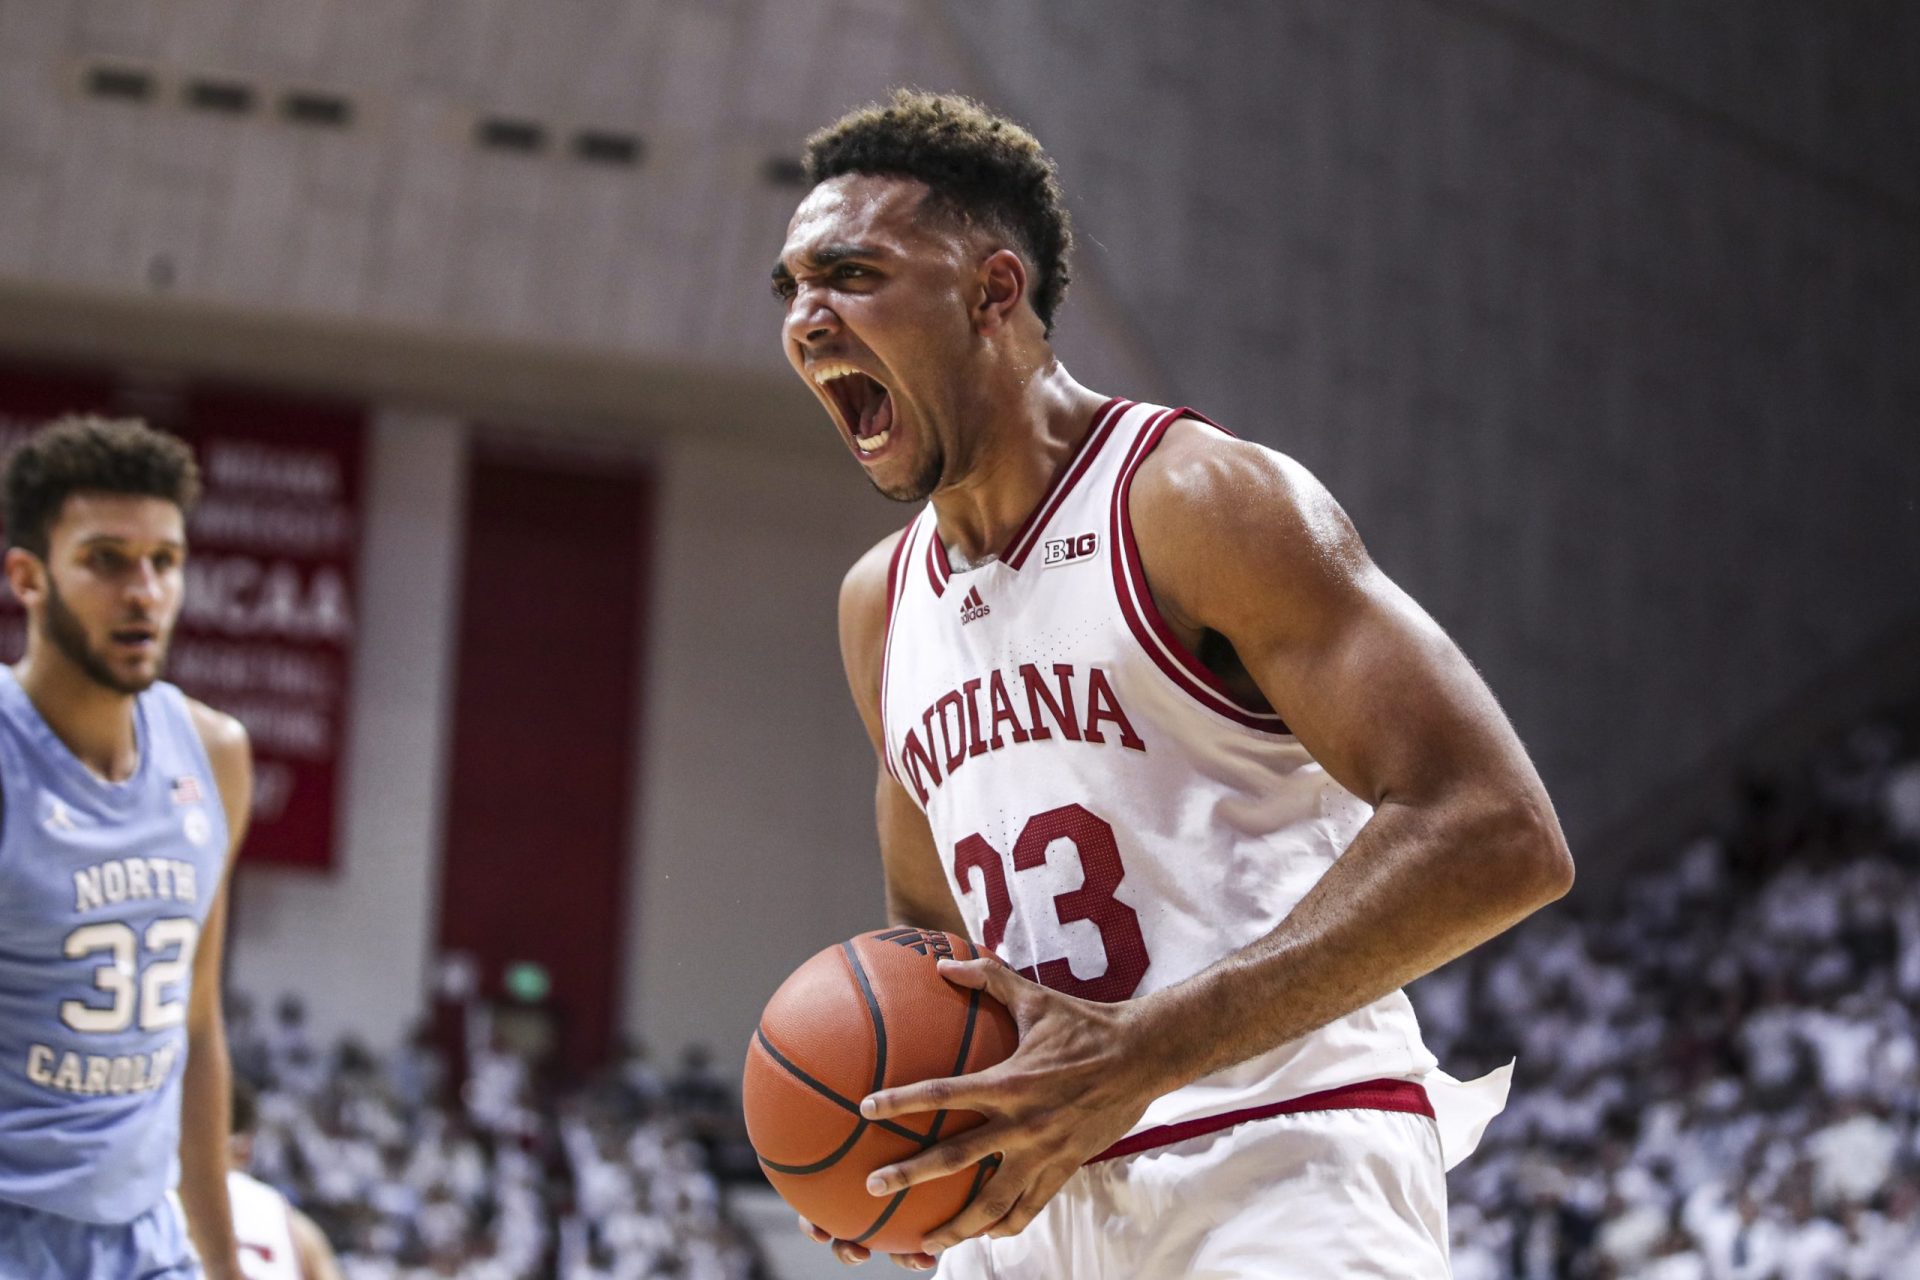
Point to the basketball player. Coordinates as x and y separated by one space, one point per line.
1153 728
120 803
277 1241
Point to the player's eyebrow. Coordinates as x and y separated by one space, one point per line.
117 540
826 256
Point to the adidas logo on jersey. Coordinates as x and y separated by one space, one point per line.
1069 550
973 608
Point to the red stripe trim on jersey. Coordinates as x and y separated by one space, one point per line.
1371 1095
1020 546
894 578
938 570
1143 617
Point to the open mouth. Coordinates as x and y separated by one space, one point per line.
136 638
863 402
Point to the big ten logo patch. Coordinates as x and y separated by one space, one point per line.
926 942
1069 550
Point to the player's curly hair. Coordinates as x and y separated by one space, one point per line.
86 454
981 167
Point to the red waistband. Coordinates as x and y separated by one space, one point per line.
1368 1095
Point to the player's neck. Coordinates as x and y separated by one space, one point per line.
1025 436
95 722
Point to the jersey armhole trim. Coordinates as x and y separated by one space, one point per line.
1166 649
886 642
190 727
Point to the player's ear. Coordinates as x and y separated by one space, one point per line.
26 574
1001 285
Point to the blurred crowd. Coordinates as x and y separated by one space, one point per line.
1719 1079
1719 1068
413 1174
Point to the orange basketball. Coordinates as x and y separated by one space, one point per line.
870 1013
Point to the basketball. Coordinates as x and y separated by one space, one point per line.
870 1013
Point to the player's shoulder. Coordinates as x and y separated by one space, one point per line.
223 735
1198 471
228 751
1208 489
1218 516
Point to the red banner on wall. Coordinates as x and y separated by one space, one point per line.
267 631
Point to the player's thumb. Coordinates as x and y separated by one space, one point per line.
989 973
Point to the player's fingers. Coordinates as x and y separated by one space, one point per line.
982 1091
951 1156
850 1253
989 974
1045 1185
814 1233
972 974
915 1261
995 1201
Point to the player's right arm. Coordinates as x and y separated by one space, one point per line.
916 883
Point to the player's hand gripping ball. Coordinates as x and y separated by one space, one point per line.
868 1014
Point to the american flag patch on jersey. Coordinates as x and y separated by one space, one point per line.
186 790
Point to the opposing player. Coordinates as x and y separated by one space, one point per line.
1151 726
277 1241
121 801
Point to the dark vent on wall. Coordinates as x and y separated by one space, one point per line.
226 97
602 146
122 84
501 134
309 106
784 171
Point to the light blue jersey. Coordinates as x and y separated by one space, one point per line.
104 887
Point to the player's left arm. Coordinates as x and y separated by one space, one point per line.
205 1096
316 1256
1463 843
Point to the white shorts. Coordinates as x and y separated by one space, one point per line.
1315 1195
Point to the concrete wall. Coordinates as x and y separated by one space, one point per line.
1598 318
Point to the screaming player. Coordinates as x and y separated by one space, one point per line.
1152 727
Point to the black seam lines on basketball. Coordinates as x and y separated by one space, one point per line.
885 1213
826 1161
837 1099
980 1172
879 1023
960 1059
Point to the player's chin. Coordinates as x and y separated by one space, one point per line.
137 676
902 475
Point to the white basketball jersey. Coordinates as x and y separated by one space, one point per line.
1111 821
263 1227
